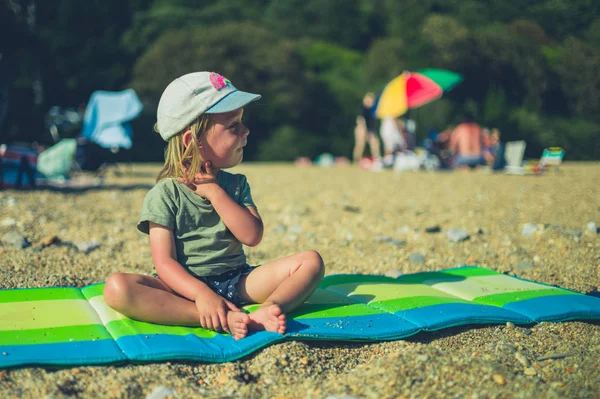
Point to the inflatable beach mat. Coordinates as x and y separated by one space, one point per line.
71 326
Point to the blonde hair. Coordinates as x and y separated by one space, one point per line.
181 161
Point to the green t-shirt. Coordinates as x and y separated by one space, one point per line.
204 245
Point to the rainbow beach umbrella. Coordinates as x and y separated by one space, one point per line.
413 89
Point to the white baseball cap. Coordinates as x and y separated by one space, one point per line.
191 95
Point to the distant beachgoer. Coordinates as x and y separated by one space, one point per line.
198 216
467 142
365 131
392 137
494 150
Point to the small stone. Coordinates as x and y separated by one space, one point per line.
537 259
86 246
433 229
457 235
222 379
353 209
303 361
390 240
524 265
398 243
422 358
15 239
48 240
592 227
404 230
416 257
280 228
529 229
393 273
554 356
8 222
527 331
510 324
529 371
295 229
161 392
522 359
499 379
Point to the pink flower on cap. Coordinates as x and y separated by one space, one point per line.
218 81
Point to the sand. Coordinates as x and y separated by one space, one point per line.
360 222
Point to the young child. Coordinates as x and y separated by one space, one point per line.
198 216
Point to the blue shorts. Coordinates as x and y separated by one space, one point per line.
224 284
470 161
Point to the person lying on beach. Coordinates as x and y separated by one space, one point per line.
198 216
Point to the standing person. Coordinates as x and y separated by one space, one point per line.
365 131
467 142
393 138
198 216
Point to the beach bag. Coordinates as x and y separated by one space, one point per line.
56 161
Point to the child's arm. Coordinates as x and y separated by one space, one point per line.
243 222
212 308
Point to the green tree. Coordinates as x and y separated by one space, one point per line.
447 38
251 57
385 60
578 67
342 22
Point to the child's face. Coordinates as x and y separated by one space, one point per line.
223 144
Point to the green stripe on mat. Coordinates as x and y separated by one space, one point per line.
353 278
317 311
395 305
445 276
93 290
40 294
470 271
510 297
127 327
56 334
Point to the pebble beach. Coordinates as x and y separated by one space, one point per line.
541 228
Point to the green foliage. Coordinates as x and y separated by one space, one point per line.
248 55
592 35
447 38
344 22
577 67
384 61
530 67
288 143
494 107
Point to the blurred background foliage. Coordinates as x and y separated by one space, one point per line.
531 67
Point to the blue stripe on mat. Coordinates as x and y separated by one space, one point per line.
220 348
440 316
558 308
369 327
62 354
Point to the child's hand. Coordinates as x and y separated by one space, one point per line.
204 182
212 311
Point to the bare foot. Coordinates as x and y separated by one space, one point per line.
269 317
238 324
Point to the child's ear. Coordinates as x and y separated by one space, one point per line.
187 138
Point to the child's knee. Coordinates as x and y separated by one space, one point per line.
115 290
314 261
